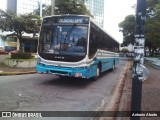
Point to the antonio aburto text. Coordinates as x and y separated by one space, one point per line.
146 114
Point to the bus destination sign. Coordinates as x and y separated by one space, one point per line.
71 20
67 20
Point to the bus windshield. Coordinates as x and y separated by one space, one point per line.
63 39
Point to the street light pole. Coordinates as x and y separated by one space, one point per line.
41 8
52 7
139 70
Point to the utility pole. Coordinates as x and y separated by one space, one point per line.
41 8
52 7
140 72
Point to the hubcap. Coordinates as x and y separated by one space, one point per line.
113 66
97 74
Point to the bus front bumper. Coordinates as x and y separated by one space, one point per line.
80 72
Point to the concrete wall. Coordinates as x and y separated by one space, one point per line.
3 58
20 63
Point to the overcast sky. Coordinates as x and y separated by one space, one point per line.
3 4
115 11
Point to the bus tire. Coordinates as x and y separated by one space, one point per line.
113 66
98 71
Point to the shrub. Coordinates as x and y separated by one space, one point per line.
124 50
21 55
3 52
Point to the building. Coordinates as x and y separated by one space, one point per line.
8 40
25 6
96 8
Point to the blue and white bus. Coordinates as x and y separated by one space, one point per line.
73 45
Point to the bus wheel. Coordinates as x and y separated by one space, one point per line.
97 74
113 66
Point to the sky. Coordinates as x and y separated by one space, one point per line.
115 12
3 4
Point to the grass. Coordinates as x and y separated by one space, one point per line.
2 64
158 58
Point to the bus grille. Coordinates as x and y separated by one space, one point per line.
59 72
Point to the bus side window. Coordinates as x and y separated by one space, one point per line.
93 40
93 45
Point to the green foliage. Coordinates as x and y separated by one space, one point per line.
19 24
124 50
46 10
71 7
128 29
64 7
21 55
153 26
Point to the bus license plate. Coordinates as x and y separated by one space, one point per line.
78 74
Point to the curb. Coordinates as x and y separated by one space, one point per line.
16 73
114 101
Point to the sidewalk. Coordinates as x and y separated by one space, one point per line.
150 92
4 70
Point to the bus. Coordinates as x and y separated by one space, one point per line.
75 46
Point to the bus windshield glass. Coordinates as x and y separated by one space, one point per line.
63 39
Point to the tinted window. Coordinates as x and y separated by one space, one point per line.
93 41
64 40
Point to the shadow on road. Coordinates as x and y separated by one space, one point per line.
68 82
73 82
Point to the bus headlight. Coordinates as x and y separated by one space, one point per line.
81 68
38 60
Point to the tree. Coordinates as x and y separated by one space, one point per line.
153 26
66 7
19 24
124 50
71 7
46 10
128 30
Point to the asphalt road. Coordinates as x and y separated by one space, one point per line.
36 92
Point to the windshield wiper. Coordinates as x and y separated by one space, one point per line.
69 32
